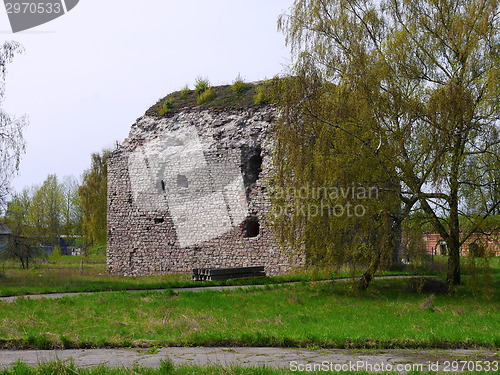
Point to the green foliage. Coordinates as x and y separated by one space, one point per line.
20 248
184 92
40 214
479 277
45 213
201 85
98 250
224 98
413 88
153 350
72 212
262 95
166 107
414 228
93 199
206 96
16 216
238 86
326 191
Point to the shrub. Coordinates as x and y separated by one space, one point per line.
426 285
184 92
206 96
56 254
262 95
479 278
166 107
239 86
201 85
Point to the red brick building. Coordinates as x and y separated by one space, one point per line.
482 244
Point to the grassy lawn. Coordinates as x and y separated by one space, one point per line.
327 314
62 274
330 315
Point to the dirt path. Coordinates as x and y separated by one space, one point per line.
294 359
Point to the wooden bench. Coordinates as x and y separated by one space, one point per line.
202 274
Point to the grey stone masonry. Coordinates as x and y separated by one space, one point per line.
189 191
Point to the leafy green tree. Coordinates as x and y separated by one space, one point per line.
420 84
93 200
72 211
20 246
45 214
12 144
16 216
22 249
41 214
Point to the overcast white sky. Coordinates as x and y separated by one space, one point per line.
86 76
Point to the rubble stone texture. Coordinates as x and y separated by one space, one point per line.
189 191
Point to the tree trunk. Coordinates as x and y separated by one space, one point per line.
453 241
397 232
453 275
367 277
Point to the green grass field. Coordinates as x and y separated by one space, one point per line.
330 315
313 314
63 274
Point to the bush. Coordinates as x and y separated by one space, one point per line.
238 86
166 107
201 85
184 92
479 279
262 95
206 96
426 285
21 249
56 253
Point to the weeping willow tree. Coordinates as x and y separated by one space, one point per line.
401 94
331 195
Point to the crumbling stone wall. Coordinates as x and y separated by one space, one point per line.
188 191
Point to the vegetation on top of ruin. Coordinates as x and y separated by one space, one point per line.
236 96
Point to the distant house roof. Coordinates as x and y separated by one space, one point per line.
4 229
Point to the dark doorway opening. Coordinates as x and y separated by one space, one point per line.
251 227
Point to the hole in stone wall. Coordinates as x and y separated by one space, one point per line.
251 166
182 181
163 185
159 220
251 227
254 165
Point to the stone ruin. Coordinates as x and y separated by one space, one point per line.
188 191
